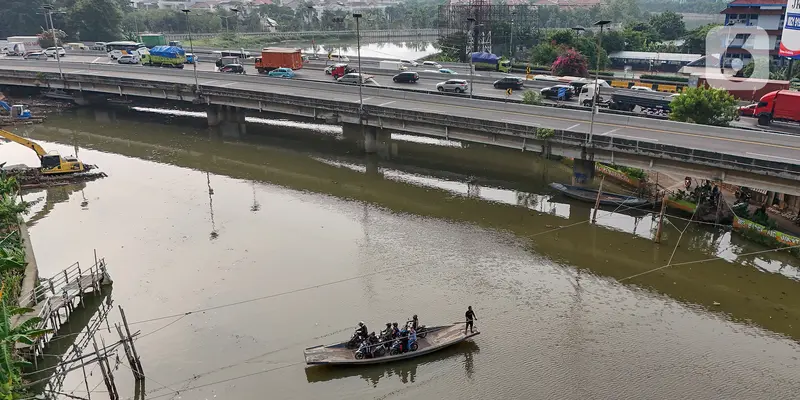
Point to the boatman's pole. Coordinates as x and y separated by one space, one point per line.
597 201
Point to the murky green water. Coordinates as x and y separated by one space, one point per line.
292 207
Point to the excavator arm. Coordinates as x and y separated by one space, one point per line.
25 142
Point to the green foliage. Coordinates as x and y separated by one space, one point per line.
46 38
668 25
696 39
544 133
12 261
712 7
544 54
95 20
531 97
706 106
19 17
635 173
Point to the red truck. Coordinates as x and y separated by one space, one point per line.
748 89
278 57
780 105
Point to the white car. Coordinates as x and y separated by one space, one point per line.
129 59
353 78
35 56
642 88
432 64
409 63
453 85
51 52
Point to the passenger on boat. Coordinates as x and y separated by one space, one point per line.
412 335
414 322
395 330
388 333
362 330
404 339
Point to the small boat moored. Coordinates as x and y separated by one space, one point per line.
437 338
590 195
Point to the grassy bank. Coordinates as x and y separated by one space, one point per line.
12 271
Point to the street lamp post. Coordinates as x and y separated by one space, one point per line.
49 9
226 21
136 23
511 40
191 48
577 30
360 73
313 44
469 54
235 19
725 52
601 24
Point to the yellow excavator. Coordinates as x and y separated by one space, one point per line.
51 163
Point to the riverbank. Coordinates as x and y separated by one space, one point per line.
19 272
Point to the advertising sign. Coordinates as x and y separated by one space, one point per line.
790 41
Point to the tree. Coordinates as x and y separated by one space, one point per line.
46 38
704 105
570 63
544 54
696 39
95 20
668 25
19 17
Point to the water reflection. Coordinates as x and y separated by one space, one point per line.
404 371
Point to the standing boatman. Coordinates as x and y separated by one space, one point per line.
470 316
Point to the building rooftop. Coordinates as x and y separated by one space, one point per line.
740 3
644 55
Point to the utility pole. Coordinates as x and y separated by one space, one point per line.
469 54
596 96
49 9
191 48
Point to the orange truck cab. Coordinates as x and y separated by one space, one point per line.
278 57
780 105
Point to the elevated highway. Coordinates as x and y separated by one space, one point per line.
743 157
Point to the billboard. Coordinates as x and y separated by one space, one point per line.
790 41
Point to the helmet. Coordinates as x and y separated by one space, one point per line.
415 316
361 323
394 324
388 324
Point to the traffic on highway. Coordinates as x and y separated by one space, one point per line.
430 76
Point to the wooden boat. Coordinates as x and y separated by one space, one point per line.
590 195
437 338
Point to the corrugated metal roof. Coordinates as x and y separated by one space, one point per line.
758 2
644 55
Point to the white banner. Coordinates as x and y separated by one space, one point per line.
790 41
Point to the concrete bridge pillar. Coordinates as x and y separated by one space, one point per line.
370 139
583 171
231 120
214 114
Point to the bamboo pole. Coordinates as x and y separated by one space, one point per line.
597 201
657 239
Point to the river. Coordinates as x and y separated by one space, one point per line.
324 237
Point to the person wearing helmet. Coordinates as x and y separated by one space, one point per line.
395 330
414 322
362 330
386 334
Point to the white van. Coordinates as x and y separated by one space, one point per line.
339 58
392 65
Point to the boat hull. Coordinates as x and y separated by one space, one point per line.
590 196
438 338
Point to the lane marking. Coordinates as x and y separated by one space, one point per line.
368 98
609 132
387 103
95 60
229 84
637 138
572 127
208 82
769 156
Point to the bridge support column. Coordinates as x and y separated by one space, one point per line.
231 120
369 139
583 170
214 114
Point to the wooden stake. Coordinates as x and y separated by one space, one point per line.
128 354
597 202
109 384
657 239
130 340
108 368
